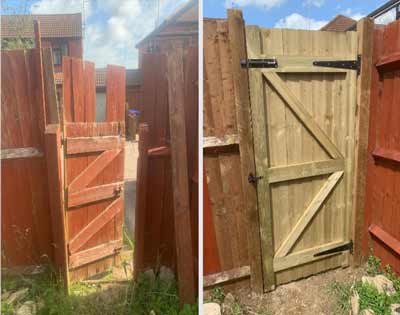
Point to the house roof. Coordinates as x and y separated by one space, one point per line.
186 13
51 25
339 23
133 77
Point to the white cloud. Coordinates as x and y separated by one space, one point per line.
386 18
267 4
299 21
355 16
60 6
315 3
112 40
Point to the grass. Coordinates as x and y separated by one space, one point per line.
146 296
370 298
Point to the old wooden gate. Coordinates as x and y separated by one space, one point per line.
93 169
382 213
303 126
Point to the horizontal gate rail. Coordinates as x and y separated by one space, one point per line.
95 253
93 194
93 144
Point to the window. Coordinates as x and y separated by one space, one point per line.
58 52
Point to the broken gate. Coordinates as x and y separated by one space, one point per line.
93 169
303 104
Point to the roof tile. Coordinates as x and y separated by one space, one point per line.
51 25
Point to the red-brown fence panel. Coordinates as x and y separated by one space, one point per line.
382 210
25 210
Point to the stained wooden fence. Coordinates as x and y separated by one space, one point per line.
305 130
382 203
231 242
167 181
62 173
25 217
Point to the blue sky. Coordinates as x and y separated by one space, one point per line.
302 14
112 27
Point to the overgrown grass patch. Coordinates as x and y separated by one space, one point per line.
146 296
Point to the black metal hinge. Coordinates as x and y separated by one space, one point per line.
341 64
259 63
252 179
338 249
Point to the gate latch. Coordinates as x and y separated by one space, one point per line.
259 63
338 249
253 179
341 64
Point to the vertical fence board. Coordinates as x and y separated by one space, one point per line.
365 45
224 165
182 221
55 181
141 193
237 41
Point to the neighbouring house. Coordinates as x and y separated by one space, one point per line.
339 23
61 32
386 13
181 25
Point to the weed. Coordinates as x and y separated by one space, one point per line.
128 240
342 293
236 309
217 295
374 266
369 296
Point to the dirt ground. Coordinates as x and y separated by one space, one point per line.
309 296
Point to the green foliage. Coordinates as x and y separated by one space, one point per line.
128 240
7 309
374 266
17 43
342 293
369 296
217 295
158 296
393 277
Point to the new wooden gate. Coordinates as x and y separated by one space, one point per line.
93 169
303 127
382 212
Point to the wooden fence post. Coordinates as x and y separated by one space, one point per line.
56 192
141 196
237 43
180 179
365 29
42 110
